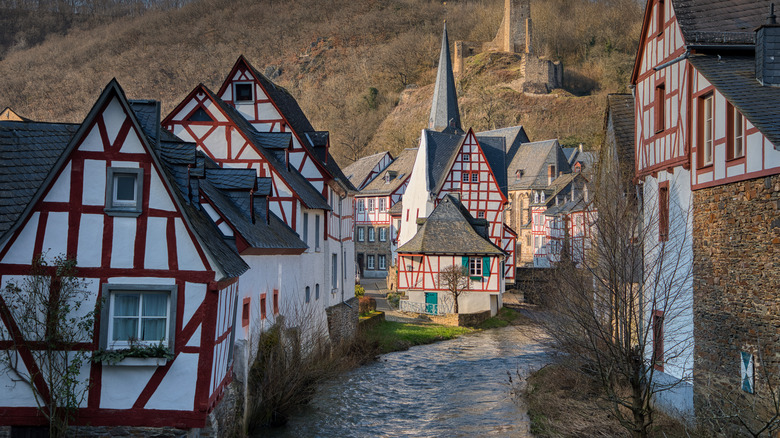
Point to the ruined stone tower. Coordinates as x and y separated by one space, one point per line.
514 34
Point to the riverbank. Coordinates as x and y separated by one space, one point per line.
566 402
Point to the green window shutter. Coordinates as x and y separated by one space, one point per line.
465 262
486 266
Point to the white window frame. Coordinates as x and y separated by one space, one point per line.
371 204
481 214
708 129
382 262
474 177
383 234
738 130
107 316
235 94
371 234
361 206
370 262
361 235
115 207
475 266
466 156
382 204
464 177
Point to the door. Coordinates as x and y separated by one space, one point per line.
360 264
431 303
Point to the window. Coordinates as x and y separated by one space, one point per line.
262 306
316 232
334 271
660 16
243 93
371 204
518 174
308 294
466 157
475 267
481 214
464 177
276 301
317 291
660 106
370 262
382 204
663 211
361 206
383 234
371 232
658 340
382 262
705 129
142 314
747 371
475 177
361 234
200 115
124 191
735 135
306 228
245 310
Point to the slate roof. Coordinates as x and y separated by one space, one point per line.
358 172
231 179
494 149
442 150
450 229
444 106
396 209
720 21
620 109
28 152
514 136
401 167
734 77
148 114
533 159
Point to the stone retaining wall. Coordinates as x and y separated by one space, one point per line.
343 320
736 245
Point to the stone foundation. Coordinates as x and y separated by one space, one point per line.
736 245
343 321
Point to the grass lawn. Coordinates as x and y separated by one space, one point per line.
396 336
504 317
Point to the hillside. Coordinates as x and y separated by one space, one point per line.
346 62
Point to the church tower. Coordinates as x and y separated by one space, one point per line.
445 115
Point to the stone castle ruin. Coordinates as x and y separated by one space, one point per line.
514 35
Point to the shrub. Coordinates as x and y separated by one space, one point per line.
393 298
367 305
359 290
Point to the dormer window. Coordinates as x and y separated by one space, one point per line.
518 174
243 92
123 191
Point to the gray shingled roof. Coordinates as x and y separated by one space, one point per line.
620 110
442 151
444 106
148 114
399 171
533 159
358 172
28 152
396 209
230 178
720 21
514 136
494 149
450 229
734 77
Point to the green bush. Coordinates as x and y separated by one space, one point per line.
393 298
359 290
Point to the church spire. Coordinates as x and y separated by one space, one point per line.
444 108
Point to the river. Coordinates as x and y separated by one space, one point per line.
456 388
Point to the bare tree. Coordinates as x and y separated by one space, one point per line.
50 324
456 279
624 312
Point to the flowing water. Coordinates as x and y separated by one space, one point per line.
456 388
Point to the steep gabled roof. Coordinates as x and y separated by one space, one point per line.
514 136
734 77
620 111
444 106
533 159
358 172
494 149
720 21
28 152
442 148
450 229
397 172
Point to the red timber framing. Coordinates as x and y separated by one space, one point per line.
421 272
157 247
228 146
371 214
481 195
266 116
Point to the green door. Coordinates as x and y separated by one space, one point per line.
431 303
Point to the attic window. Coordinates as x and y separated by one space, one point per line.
123 191
518 174
243 92
200 115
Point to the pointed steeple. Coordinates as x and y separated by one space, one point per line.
444 108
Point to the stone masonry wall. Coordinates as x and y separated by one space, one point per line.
343 321
736 245
375 248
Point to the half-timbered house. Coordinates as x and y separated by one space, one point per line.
123 198
707 158
375 231
365 169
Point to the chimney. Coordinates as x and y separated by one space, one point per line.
768 50
550 173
